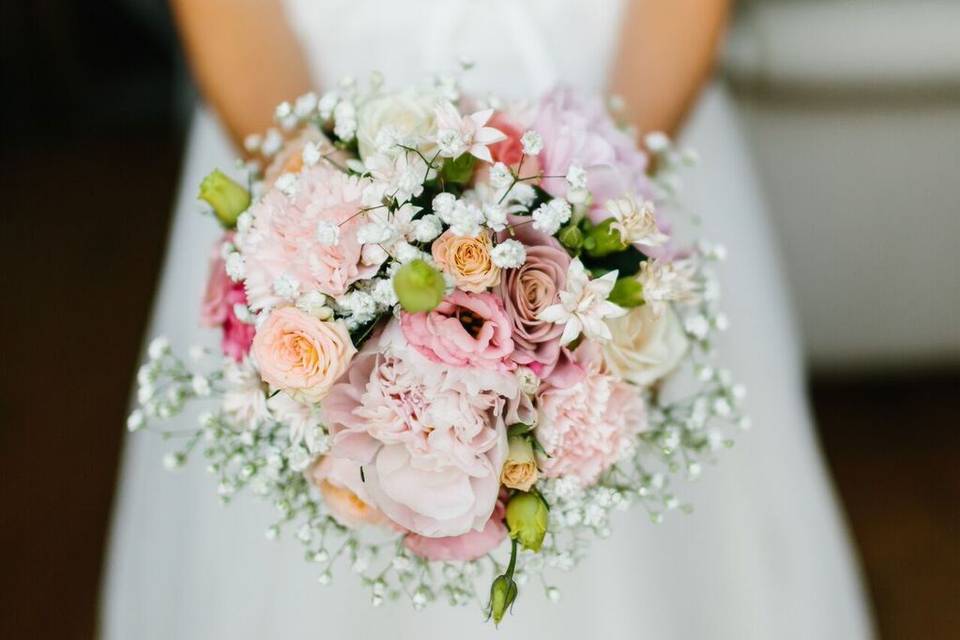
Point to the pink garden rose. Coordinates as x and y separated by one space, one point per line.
218 303
282 240
302 354
465 330
339 482
465 547
586 427
579 130
430 443
528 290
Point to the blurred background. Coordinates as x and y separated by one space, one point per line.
852 111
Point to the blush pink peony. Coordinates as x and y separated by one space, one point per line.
282 240
430 444
585 428
302 354
339 482
465 330
463 548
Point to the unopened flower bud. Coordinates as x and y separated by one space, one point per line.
227 198
527 519
627 293
571 237
520 468
603 239
503 592
419 287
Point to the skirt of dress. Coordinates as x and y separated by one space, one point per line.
764 554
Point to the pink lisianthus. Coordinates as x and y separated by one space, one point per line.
585 428
465 330
282 240
578 130
431 443
219 299
465 547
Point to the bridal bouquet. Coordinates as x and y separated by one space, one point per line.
447 324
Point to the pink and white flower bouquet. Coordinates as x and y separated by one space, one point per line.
447 327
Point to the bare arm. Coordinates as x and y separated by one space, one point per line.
666 53
244 58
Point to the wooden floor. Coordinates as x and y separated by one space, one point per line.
80 239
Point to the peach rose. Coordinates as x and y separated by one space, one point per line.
339 482
301 354
520 468
467 260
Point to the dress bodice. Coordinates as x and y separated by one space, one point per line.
520 47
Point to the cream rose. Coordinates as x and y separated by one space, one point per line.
406 117
467 260
520 468
646 346
301 354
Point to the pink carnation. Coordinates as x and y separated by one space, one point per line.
586 427
431 445
282 240
579 130
463 548
218 307
465 330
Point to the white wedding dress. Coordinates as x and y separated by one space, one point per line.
764 555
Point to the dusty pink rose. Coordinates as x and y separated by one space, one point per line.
282 240
339 482
218 303
463 548
301 354
579 130
528 290
431 442
586 427
465 330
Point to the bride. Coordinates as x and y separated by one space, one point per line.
765 554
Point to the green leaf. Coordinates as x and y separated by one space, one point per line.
459 170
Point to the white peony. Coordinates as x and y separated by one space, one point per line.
401 118
645 346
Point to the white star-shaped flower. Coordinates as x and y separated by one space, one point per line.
636 221
583 305
457 134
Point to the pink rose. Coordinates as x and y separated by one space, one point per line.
301 354
528 290
431 445
218 303
462 548
282 240
339 482
579 130
465 330
510 150
586 427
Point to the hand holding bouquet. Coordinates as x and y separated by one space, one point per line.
446 325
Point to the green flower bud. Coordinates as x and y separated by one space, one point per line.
227 198
503 592
527 518
419 286
603 239
627 292
571 237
